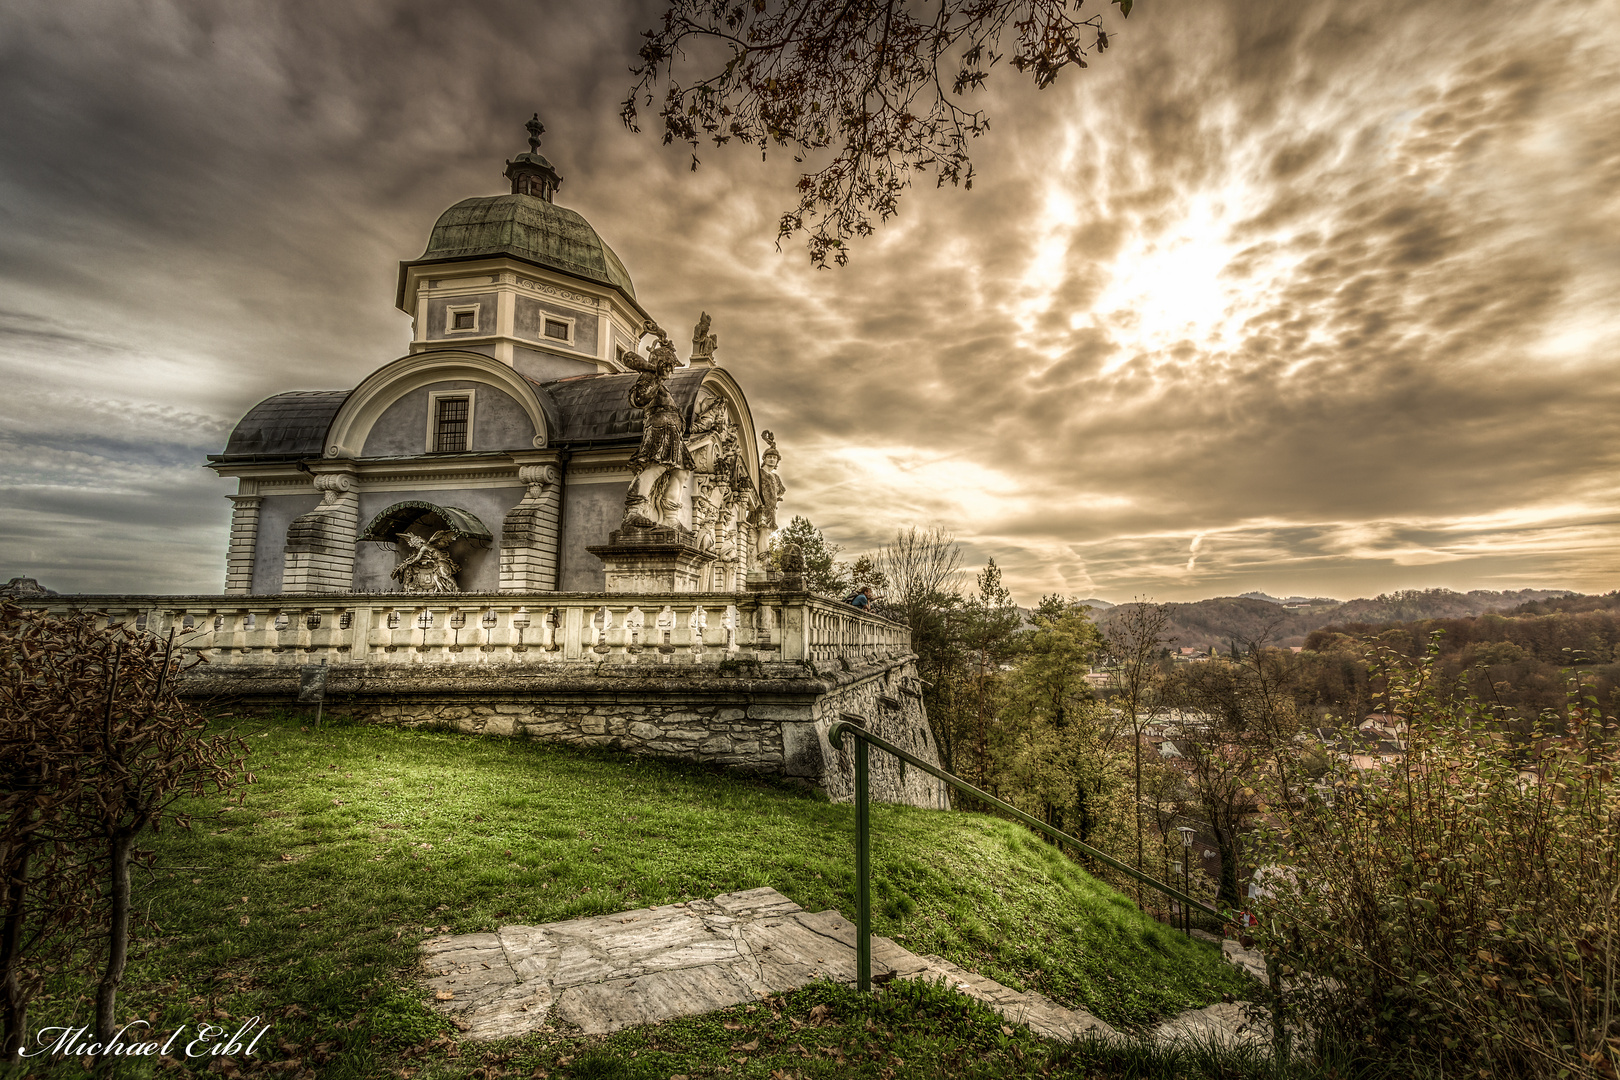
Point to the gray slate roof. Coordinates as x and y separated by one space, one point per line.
586 409
287 425
596 408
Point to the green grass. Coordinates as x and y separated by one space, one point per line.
306 904
827 1032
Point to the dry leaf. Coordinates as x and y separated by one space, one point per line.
444 995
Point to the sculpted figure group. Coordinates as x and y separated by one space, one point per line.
730 515
429 567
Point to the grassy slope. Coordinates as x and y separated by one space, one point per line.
307 903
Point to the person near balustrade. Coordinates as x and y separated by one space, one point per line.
861 598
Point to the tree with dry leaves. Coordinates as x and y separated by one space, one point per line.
872 91
98 749
1134 636
1238 722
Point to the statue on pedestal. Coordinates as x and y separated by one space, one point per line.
771 490
703 342
662 460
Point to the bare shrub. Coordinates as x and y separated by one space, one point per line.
1462 900
96 749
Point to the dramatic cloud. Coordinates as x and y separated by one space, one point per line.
1294 295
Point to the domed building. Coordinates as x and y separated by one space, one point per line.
540 434
541 521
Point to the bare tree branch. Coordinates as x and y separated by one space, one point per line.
859 78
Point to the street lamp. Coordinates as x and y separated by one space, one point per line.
1186 855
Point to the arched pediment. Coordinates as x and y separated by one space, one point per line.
403 515
720 383
366 404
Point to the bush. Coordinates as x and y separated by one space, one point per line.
95 749
1460 904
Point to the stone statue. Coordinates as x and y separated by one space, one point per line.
729 468
712 415
771 488
663 434
704 512
703 342
429 567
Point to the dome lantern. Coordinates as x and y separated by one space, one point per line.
531 174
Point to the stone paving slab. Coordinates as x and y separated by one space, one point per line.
600 974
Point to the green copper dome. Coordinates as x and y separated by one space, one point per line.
530 228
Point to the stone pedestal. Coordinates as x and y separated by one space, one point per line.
775 581
661 560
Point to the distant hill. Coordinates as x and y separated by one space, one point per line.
1292 601
1226 620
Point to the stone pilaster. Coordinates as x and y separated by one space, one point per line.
529 533
320 544
244 544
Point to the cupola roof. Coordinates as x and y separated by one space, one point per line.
526 225
528 228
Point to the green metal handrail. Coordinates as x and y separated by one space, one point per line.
863 840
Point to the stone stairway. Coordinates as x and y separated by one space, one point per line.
600 974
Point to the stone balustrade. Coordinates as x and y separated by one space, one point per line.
477 628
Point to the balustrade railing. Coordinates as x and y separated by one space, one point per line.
537 628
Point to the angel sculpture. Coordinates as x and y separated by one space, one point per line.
430 567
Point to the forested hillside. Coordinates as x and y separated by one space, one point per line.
1523 659
1229 621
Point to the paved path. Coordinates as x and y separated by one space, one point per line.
608 972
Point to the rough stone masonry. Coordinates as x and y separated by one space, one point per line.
769 717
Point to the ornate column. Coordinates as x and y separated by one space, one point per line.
529 533
244 543
320 544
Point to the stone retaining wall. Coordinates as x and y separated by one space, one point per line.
714 733
769 717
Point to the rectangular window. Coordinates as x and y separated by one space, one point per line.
461 319
450 424
556 328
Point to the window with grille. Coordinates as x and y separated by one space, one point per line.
450 424
555 328
464 320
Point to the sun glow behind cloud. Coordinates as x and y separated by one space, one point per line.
1166 287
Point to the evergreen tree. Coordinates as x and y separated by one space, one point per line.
1063 756
823 573
988 624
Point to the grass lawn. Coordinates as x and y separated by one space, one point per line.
306 903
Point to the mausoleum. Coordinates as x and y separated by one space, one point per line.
508 442
540 521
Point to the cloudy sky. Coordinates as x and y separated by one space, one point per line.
1306 296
